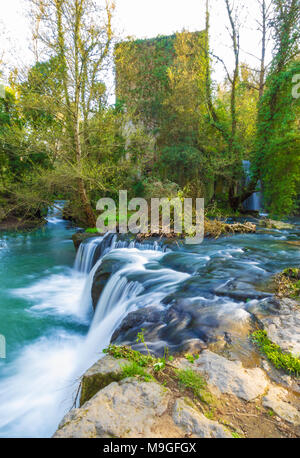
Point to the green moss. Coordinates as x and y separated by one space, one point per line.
280 359
92 384
210 414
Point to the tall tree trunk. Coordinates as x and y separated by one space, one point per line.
90 217
262 74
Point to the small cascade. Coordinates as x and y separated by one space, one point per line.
155 246
193 290
95 248
55 212
116 295
253 203
86 253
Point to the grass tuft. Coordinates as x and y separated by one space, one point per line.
134 370
274 353
187 378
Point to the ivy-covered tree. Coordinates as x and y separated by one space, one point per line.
278 137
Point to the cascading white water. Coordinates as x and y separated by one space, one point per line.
48 307
85 254
253 203
122 295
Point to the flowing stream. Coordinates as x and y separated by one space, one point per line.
53 336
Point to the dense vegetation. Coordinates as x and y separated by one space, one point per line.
171 132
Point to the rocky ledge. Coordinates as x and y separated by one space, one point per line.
233 401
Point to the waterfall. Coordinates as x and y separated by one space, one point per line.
55 212
94 248
253 203
132 287
85 255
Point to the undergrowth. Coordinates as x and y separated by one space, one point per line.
280 359
187 378
288 283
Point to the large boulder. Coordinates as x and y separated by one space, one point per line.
129 408
240 291
162 328
132 408
228 377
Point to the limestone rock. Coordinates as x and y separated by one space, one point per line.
225 376
284 328
277 400
280 378
272 224
195 424
129 408
101 374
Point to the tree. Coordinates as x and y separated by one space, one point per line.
228 126
278 141
78 35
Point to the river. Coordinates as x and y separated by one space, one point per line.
46 315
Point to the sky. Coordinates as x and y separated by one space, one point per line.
145 19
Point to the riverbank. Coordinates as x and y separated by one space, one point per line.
14 223
189 299
128 394
229 386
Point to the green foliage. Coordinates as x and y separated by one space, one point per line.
236 435
273 352
161 137
288 283
191 358
135 370
278 137
134 356
91 230
187 378
144 62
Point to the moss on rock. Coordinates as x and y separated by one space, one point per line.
101 374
